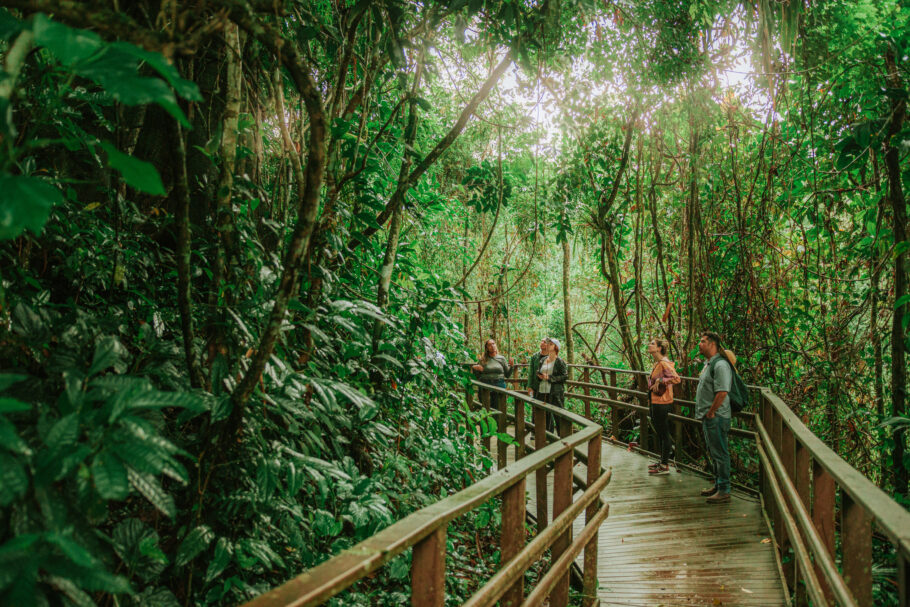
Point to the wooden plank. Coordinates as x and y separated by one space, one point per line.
823 491
655 547
856 541
562 499
803 483
502 447
644 424
586 378
614 412
513 536
589 585
903 579
788 459
428 571
540 441
520 430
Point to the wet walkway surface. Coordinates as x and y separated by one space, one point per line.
663 545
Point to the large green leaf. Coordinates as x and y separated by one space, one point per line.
219 562
151 489
10 439
13 479
185 88
110 476
25 204
195 542
69 45
11 405
138 174
10 379
64 432
74 551
109 352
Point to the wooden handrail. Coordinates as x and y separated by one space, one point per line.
811 473
424 530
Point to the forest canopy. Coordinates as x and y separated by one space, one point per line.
247 246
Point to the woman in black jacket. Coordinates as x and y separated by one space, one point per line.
552 373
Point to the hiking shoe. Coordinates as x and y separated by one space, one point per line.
708 492
718 498
653 465
659 470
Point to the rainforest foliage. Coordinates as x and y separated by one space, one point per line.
245 246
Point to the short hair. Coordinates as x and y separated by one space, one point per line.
711 335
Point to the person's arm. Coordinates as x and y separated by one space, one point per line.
723 377
507 367
718 401
670 376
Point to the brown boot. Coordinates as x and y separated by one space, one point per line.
718 498
709 491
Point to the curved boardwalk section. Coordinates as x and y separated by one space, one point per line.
663 545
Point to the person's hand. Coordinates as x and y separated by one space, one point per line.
511 362
478 368
540 375
545 376
710 414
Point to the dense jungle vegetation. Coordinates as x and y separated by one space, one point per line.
245 246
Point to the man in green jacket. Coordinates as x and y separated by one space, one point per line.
534 366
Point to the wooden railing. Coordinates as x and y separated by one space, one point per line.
425 530
823 511
801 481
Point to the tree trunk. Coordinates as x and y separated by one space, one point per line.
391 249
566 299
899 212
224 212
184 286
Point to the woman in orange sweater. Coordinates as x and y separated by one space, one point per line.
660 384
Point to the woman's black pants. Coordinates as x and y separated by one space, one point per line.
660 416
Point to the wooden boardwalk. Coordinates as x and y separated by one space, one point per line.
663 545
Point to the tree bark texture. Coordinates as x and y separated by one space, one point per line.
899 216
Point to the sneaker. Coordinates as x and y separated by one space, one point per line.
708 492
653 465
718 498
659 470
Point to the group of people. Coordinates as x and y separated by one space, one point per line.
547 374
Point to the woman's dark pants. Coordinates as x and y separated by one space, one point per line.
660 416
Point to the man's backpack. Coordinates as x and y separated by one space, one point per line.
739 394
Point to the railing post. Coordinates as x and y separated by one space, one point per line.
502 447
519 428
644 423
903 578
428 571
856 541
485 402
803 484
780 534
469 396
589 584
586 378
788 459
562 499
823 514
513 536
614 412
540 476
